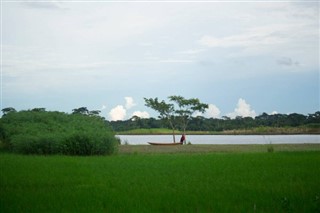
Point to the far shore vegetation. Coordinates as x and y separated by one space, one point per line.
253 131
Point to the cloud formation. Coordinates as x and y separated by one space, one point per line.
243 109
129 102
141 114
49 5
212 112
117 113
250 38
120 111
77 46
103 107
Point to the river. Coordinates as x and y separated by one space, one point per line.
222 139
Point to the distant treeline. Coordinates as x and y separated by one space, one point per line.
200 123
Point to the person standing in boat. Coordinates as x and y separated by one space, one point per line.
183 139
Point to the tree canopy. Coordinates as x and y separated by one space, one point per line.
187 108
178 112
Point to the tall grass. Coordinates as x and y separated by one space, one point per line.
32 132
232 182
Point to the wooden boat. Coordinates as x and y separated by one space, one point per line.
164 144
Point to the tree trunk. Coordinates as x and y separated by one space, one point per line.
174 136
184 133
173 132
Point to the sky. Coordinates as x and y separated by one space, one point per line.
242 58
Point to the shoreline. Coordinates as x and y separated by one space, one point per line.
302 133
217 148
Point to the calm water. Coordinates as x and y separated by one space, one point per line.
223 139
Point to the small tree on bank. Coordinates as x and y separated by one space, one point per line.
166 111
181 115
187 108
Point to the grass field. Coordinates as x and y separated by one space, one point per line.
141 180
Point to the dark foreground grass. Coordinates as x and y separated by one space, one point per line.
203 182
226 148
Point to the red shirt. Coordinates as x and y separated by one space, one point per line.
183 138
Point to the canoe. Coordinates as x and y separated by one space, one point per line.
165 144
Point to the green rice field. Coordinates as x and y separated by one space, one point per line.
140 179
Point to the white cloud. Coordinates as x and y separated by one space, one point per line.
140 114
175 61
42 5
274 113
153 44
213 111
129 102
117 113
243 109
284 38
191 51
103 107
252 37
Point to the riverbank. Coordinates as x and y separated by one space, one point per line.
253 131
198 149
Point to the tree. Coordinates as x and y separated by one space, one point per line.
81 110
7 110
166 111
295 119
314 118
38 109
182 115
94 113
186 108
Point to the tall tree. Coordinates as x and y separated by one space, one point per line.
81 110
7 110
166 111
187 108
182 115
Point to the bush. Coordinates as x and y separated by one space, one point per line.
270 149
82 144
40 132
35 145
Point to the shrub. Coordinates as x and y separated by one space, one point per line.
270 149
78 144
40 132
35 145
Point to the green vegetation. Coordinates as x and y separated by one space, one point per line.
178 112
198 182
253 131
39 132
205 149
262 124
